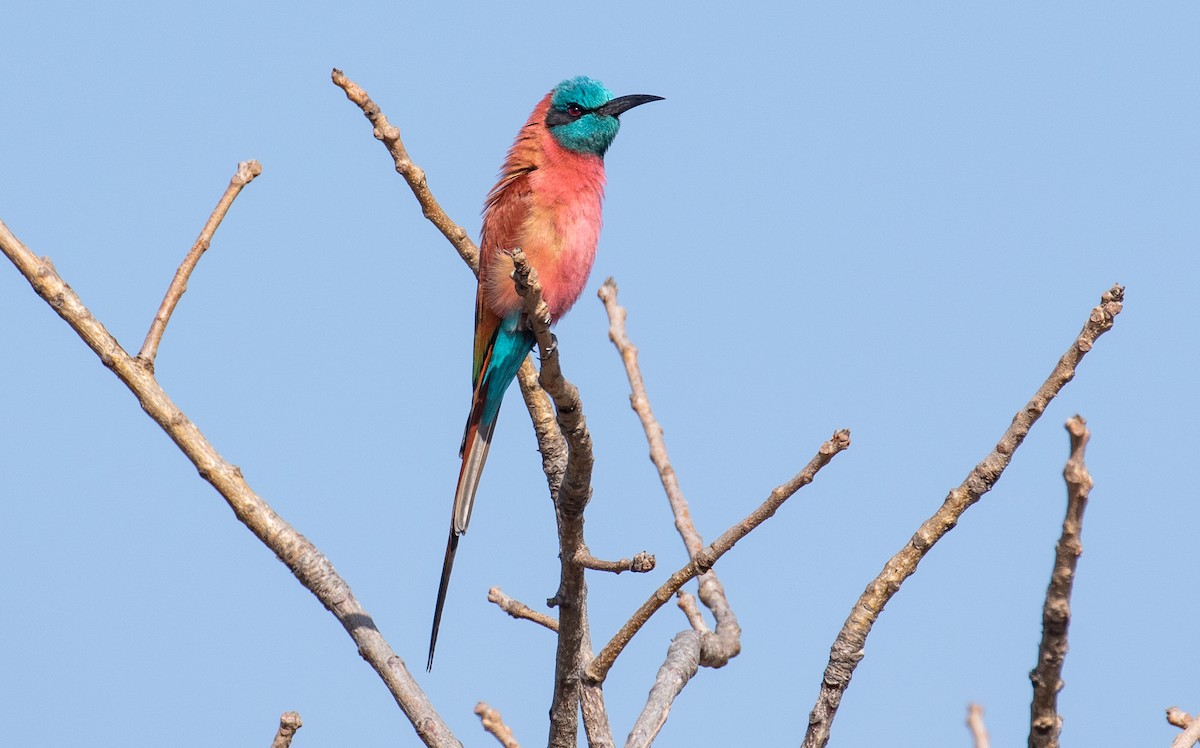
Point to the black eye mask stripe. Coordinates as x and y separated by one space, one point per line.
556 117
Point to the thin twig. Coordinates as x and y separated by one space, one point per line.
414 175
978 729
494 724
289 723
1045 723
518 609
848 647
701 562
641 405
639 564
246 172
687 603
725 644
304 560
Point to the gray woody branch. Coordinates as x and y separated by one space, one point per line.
851 641
307 563
701 562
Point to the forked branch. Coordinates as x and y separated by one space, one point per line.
304 560
704 560
720 646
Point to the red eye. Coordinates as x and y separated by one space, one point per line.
574 110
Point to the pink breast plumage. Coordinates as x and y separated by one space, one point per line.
558 231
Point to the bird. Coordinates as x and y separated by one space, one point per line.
547 202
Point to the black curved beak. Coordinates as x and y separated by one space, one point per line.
622 104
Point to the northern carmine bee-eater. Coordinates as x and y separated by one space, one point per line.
547 203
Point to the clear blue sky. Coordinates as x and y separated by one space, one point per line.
887 218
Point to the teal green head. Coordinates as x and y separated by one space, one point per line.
583 114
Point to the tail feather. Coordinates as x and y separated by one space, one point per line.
496 366
447 565
476 441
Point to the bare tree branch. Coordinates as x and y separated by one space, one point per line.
519 610
848 648
716 649
978 729
639 564
307 563
494 724
641 405
246 172
701 562
1045 723
388 134
567 458
289 723
683 660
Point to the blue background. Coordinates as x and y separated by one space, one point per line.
891 218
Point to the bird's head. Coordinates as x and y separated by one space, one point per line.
583 114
